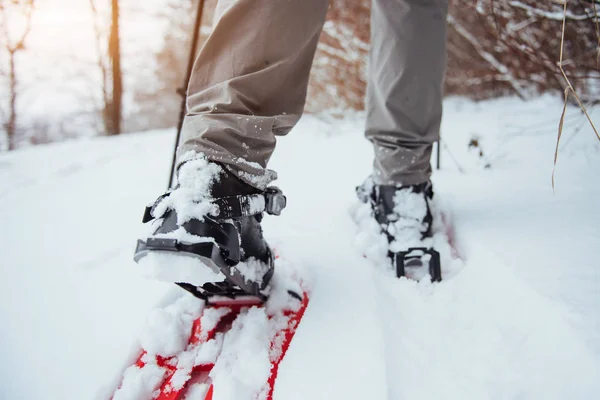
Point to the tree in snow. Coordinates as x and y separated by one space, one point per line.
109 62
15 26
499 47
495 48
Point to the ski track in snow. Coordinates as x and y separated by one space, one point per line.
521 342
520 320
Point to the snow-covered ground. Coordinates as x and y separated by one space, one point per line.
520 320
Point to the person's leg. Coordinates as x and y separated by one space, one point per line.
404 96
249 83
404 109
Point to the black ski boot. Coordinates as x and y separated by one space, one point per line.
404 216
215 218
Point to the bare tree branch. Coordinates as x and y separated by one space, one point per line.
552 15
489 57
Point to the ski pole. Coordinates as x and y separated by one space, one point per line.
439 153
183 90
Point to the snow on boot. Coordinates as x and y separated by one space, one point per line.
404 216
211 219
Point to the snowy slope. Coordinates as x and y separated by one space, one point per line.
519 321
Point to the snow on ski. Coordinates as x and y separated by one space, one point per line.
223 349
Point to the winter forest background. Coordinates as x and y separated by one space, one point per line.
68 69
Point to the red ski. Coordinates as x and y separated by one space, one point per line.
216 336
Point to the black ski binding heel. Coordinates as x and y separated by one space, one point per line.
416 257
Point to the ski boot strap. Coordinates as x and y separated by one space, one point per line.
272 201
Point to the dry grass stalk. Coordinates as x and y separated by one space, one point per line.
597 33
569 90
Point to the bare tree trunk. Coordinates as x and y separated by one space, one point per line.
11 124
12 47
115 105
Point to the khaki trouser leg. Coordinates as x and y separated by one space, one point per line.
249 82
404 96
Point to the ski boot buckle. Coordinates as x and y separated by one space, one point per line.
275 201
